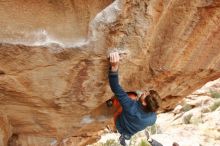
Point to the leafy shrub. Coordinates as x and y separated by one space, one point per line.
110 142
196 119
186 107
187 118
154 129
215 105
144 143
214 94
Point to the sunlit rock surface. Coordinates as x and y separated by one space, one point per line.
53 60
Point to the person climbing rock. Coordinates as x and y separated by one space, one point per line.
135 115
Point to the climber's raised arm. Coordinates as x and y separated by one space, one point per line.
114 81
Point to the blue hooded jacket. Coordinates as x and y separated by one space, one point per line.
133 118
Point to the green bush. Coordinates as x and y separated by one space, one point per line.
214 94
187 118
214 106
144 143
154 129
110 142
196 120
186 107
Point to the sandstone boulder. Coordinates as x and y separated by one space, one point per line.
5 130
53 59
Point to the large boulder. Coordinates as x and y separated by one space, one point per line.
53 59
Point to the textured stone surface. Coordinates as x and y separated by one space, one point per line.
5 130
53 59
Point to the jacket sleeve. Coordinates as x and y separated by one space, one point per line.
123 98
152 119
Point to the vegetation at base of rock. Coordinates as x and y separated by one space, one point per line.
196 120
136 140
187 118
215 105
154 129
206 110
144 143
186 107
110 142
214 94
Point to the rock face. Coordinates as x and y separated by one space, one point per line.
5 129
53 60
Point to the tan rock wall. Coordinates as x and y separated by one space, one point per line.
51 83
5 130
36 22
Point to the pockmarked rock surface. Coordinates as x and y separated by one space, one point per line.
53 60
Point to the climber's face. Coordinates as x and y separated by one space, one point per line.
142 98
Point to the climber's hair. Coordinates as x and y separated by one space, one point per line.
153 101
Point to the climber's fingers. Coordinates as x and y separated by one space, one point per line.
114 57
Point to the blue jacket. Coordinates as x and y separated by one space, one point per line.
133 118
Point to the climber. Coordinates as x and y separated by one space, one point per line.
136 115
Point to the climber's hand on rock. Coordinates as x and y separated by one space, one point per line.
114 61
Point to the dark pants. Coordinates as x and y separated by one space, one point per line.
124 140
